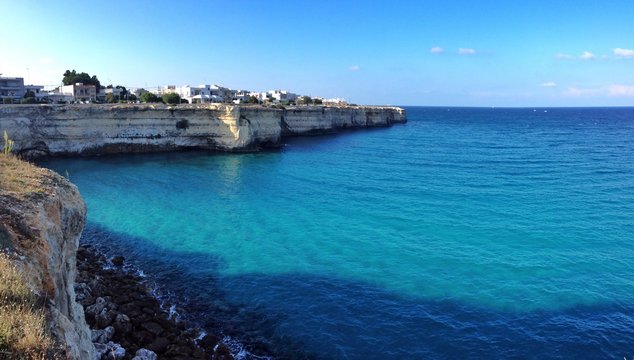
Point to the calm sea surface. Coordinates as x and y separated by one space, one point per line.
465 233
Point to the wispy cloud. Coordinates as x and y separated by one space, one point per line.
587 56
46 60
614 90
626 53
563 56
354 68
548 84
621 90
436 50
466 51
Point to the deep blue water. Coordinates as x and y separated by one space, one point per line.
465 233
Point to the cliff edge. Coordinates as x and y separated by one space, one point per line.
43 130
42 216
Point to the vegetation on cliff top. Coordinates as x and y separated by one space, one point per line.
19 178
23 333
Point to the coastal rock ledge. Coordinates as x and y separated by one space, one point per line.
43 130
41 219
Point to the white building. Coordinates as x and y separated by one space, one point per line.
201 94
241 96
281 96
80 92
12 88
335 101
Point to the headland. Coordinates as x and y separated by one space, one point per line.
89 129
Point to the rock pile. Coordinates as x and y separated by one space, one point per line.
127 322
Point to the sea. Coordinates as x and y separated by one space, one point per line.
494 233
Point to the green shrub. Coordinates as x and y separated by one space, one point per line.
28 100
148 97
171 98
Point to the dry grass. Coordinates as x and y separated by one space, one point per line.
23 332
19 178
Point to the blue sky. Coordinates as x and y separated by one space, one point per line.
469 53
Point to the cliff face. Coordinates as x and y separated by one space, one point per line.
101 129
318 119
41 218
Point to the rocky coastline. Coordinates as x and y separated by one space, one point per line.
88 130
128 322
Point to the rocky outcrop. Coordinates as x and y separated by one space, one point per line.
41 218
40 130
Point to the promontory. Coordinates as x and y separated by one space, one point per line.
89 129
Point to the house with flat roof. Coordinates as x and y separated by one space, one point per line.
80 92
12 87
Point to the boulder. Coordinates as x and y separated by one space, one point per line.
145 354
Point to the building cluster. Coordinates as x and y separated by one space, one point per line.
13 88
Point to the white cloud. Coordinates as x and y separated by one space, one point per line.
627 53
354 68
466 51
587 56
46 60
548 84
563 56
614 90
436 50
621 90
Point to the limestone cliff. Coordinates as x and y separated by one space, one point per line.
304 120
41 218
100 129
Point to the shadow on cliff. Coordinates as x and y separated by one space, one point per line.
299 316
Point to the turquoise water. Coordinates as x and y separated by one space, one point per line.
465 232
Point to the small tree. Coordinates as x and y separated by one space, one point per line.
304 100
29 94
110 98
317 101
148 97
72 77
7 100
253 100
132 97
171 98
28 100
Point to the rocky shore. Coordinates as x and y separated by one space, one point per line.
128 322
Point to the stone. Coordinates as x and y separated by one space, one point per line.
222 352
105 318
118 260
152 327
208 341
145 354
115 351
142 337
96 308
102 336
122 324
100 351
159 345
